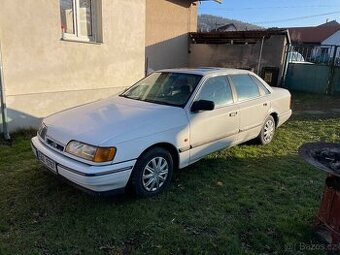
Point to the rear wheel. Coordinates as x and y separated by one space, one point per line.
152 172
267 132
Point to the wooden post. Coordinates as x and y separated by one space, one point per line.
331 84
260 57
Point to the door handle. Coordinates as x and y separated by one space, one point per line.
232 114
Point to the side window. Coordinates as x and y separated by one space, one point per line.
217 89
245 86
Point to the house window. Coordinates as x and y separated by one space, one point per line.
79 20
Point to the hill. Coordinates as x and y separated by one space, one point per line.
207 23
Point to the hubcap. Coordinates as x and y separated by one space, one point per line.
155 174
269 129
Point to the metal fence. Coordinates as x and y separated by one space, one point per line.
316 54
314 69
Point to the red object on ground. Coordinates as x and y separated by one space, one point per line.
328 219
326 157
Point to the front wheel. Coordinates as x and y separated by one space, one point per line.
267 132
152 172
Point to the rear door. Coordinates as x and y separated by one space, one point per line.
253 102
216 129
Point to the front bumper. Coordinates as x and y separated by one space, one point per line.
93 178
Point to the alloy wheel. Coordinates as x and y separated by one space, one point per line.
155 174
269 129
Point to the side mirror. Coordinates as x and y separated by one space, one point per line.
202 105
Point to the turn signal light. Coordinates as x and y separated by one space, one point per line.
104 154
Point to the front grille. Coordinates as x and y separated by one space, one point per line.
55 145
42 134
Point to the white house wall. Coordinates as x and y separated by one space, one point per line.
168 23
44 74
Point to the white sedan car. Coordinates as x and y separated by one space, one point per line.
168 120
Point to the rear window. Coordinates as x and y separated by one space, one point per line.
246 87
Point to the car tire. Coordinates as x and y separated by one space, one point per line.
267 132
152 172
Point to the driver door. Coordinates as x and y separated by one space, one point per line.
217 129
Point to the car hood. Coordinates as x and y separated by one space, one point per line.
112 121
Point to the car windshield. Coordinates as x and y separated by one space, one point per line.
164 88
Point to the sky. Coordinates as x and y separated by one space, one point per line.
275 13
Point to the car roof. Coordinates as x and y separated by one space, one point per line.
206 71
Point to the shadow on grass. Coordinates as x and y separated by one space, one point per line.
247 199
22 133
223 204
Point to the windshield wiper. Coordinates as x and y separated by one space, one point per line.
149 100
158 102
130 97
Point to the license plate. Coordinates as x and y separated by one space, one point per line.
49 163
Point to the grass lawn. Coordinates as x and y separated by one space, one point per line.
246 200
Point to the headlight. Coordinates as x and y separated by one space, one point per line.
89 152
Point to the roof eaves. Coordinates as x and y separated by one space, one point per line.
217 1
223 37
